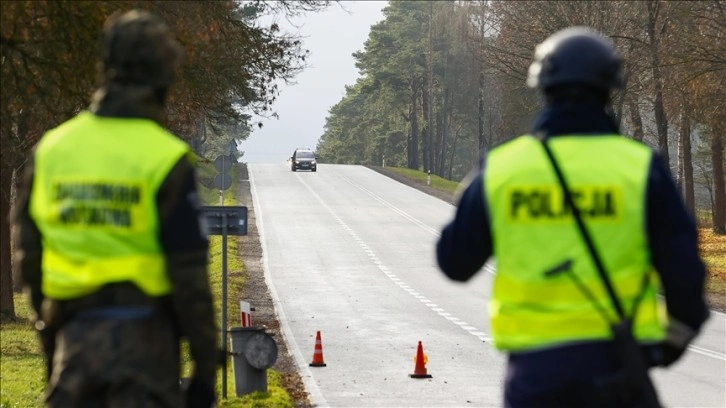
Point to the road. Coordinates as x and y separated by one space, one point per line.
350 253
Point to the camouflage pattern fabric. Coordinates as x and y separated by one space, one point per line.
128 363
116 363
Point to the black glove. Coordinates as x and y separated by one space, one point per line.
670 353
678 336
200 394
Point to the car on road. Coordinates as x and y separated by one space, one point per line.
303 159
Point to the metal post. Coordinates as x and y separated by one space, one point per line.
384 160
223 220
224 304
224 171
428 178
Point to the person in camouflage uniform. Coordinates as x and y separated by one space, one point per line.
117 343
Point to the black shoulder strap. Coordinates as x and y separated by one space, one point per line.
585 234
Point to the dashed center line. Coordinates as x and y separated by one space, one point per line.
379 264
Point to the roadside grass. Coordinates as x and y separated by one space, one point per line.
713 252
420 177
22 366
277 396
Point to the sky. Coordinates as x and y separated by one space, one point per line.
331 36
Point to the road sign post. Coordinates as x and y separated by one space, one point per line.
225 220
223 180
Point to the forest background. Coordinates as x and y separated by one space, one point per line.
232 71
440 83
443 82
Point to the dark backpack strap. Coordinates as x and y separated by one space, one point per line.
594 254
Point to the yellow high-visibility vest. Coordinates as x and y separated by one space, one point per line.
94 202
534 231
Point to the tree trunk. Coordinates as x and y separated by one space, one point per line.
635 119
684 143
679 163
409 145
446 123
619 105
480 118
430 91
445 134
7 307
661 121
719 184
413 143
453 150
426 132
436 143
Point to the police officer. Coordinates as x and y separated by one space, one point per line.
555 327
109 242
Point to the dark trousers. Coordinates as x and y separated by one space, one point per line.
581 375
117 361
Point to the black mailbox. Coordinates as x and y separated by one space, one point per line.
235 217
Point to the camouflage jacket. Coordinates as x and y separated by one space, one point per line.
184 243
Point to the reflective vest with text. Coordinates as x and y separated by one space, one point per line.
94 202
534 231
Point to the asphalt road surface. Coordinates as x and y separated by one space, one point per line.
350 253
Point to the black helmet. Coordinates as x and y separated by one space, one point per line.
138 49
576 56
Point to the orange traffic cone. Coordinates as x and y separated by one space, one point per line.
420 370
318 355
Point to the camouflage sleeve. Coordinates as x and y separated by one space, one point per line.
27 243
186 245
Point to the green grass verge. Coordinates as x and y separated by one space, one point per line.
713 252
277 396
437 182
22 367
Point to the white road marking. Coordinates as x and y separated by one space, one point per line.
489 268
707 352
379 264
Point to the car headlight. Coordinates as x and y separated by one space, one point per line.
312 162
297 161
